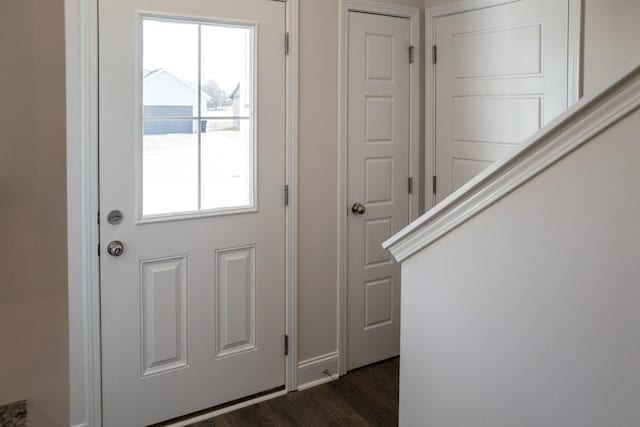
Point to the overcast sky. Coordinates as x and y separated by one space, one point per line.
174 47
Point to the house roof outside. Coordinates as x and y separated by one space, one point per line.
149 74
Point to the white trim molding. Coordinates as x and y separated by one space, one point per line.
81 39
574 92
292 135
413 14
81 28
572 129
574 80
318 370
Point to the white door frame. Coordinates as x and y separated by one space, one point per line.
413 14
81 28
574 78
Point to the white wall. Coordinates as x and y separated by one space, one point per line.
528 314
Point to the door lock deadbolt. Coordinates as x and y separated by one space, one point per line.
114 217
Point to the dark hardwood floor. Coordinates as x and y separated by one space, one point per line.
365 397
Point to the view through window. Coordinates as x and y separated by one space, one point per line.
198 118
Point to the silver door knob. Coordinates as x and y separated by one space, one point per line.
358 209
115 248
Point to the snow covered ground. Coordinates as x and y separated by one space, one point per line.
170 171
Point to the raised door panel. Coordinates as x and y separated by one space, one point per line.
504 52
378 303
379 181
379 118
376 232
235 301
379 51
496 119
164 314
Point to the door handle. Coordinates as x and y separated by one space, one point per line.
358 209
115 248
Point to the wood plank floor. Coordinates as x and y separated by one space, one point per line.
365 397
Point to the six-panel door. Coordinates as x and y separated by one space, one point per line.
378 171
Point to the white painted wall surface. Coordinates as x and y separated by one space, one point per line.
528 314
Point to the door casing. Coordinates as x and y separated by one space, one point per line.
574 79
81 42
413 14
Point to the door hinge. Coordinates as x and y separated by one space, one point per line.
435 185
410 185
98 217
434 54
286 195
286 43
286 345
98 249
411 52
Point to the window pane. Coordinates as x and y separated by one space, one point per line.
170 69
227 70
170 166
197 117
227 164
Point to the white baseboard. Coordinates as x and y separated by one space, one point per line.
317 370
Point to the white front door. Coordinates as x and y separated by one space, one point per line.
501 74
378 174
192 156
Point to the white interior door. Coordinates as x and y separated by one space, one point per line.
501 74
192 154
378 174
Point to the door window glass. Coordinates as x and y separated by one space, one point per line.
198 143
